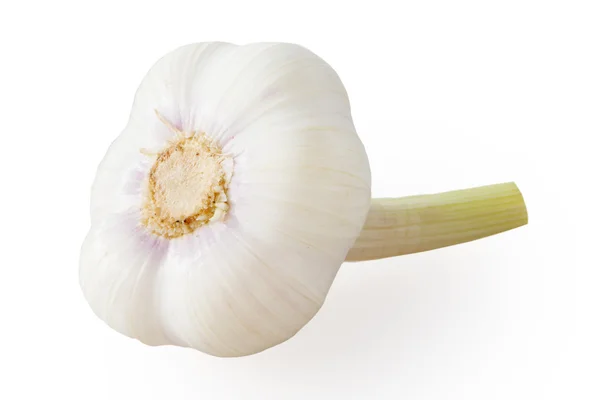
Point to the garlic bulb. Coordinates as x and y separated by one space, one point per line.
222 212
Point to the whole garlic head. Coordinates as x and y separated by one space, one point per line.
222 212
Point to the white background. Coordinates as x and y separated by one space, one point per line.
445 95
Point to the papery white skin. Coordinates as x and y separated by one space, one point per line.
299 195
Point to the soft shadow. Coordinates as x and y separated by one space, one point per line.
380 317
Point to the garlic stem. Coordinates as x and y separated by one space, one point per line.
426 222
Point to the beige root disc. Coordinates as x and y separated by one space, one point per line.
186 187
